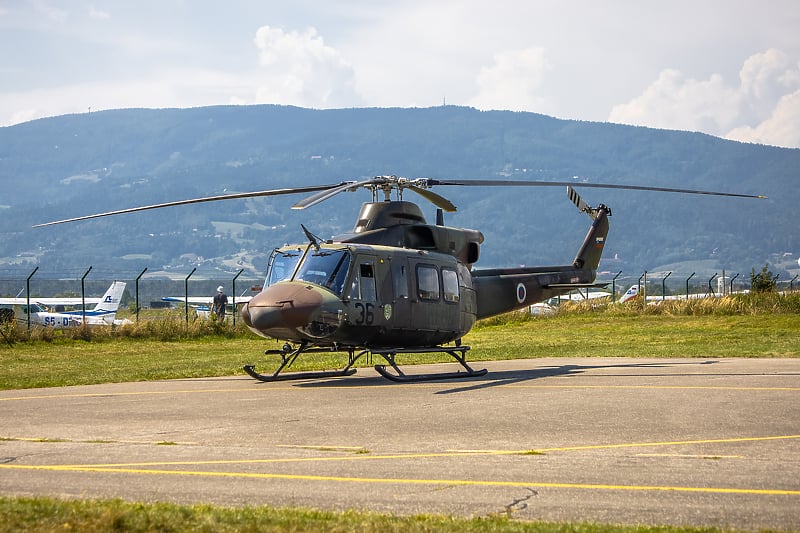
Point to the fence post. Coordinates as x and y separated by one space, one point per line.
28 295
614 287
233 293
664 286
710 288
186 294
730 290
137 292
687 285
83 296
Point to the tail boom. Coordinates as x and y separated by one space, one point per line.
501 290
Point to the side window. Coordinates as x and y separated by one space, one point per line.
400 277
362 286
367 276
427 282
450 285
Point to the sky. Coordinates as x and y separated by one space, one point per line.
730 68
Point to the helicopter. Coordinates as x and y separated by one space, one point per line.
396 284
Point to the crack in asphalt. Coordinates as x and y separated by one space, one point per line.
520 504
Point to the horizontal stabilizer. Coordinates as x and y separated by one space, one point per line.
576 285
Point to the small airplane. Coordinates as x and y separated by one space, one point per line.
634 292
396 284
38 310
630 294
580 295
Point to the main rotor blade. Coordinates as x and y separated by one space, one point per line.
435 199
314 199
272 192
520 183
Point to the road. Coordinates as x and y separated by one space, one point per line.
705 442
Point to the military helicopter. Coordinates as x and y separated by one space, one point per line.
397 284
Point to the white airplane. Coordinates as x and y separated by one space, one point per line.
580 295
103 314
633 292
630 294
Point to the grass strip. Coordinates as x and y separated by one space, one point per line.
42 514
108 359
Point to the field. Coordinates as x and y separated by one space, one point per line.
756 326
168 348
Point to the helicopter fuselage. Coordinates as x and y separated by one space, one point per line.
356 295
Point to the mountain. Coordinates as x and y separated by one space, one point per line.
73 165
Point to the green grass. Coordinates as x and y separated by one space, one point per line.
169 349
50 514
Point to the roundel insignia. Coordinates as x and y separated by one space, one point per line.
522 293
387 311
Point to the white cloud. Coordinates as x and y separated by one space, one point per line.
512 81
674 101
98 14
49 11
762 108
299 68
182 87
782 128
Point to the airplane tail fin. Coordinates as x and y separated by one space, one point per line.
592 248
630 294
110 301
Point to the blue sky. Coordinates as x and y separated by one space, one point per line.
730 68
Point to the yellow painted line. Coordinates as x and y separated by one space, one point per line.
664 387
273 387
322 447
58 440
668 443
642 444
399 481
689 456
136 393
353 457
448 453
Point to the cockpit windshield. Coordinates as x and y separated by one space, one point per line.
282 265
327 268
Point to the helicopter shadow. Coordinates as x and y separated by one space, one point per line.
511 377
493 378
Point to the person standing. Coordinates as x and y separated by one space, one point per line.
220 302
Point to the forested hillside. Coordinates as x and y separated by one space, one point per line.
80 164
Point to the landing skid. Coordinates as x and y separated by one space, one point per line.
289 355
401 377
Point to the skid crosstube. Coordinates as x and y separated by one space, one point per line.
289 355
401 377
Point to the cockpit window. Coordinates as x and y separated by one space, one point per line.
327 268
281 266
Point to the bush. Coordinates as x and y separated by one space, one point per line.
764 281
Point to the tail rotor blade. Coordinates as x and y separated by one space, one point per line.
576 199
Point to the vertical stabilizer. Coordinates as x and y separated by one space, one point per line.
110 301
592 247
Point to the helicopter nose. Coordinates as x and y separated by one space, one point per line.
291 310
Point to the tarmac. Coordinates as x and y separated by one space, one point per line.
700 442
